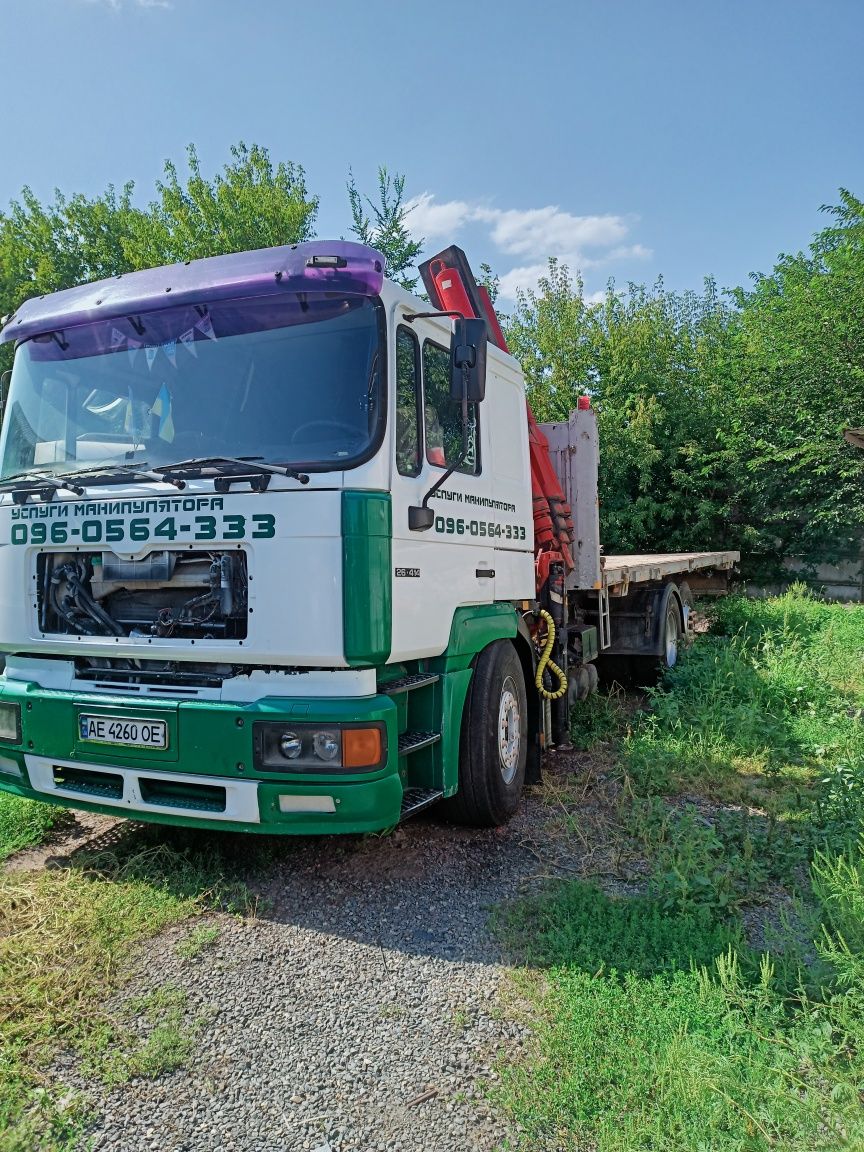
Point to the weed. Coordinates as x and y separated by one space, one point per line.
24 822
461 1019
596 719
115 1052
392 1011
197 940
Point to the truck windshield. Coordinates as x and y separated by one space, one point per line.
294 381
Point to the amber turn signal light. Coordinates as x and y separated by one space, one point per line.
361 747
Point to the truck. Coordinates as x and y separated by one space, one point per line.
283 550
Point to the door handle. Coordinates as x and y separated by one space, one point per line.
484 573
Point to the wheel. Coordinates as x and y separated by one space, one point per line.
672 633
686 596
494 740
647 670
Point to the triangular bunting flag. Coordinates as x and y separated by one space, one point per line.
133 347
188 339
205 325
117 337
150 351
170 350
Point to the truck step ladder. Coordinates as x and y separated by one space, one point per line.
409 683
414 741
414 800
605 617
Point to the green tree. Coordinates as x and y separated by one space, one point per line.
656 364
387 228
71 240
801 384
250 204
490 281
66 242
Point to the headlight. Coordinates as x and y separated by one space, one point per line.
319 748
10 723
290 745
327 745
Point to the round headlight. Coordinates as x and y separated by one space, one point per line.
290 745
326 745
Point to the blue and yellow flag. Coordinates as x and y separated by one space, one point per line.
162 409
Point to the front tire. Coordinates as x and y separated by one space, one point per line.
494 740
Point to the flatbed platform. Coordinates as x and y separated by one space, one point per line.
619 572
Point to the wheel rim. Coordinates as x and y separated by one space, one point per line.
509 730
671 636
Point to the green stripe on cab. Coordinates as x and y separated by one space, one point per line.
367 588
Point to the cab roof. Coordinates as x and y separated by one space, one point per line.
316 266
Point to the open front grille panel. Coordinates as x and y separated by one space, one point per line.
185 595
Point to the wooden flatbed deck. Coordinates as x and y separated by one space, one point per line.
642 569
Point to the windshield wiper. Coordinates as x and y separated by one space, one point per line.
241 468
45 484
105 473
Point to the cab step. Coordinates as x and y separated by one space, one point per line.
409 683
414 741
414 800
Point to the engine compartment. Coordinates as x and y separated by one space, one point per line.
182 594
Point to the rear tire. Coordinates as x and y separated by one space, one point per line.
672 634
494 741
648 670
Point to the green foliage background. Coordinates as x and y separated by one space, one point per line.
721 412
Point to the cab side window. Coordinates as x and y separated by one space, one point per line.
443 417
408 427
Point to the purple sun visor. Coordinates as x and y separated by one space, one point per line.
318 266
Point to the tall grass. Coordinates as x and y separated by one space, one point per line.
659 1028
771 695
26 822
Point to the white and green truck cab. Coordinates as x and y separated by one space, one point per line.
234 591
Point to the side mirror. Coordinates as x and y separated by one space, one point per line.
468 360
420 518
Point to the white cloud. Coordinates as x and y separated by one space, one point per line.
549 230
516 278
437 221
534 234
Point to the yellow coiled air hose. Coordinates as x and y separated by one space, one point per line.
545 663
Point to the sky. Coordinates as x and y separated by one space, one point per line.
627 138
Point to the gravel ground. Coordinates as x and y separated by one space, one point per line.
362 1009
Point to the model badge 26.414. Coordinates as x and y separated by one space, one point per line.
290 553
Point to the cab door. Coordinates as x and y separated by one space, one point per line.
452 564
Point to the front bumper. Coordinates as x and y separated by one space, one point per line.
205 777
